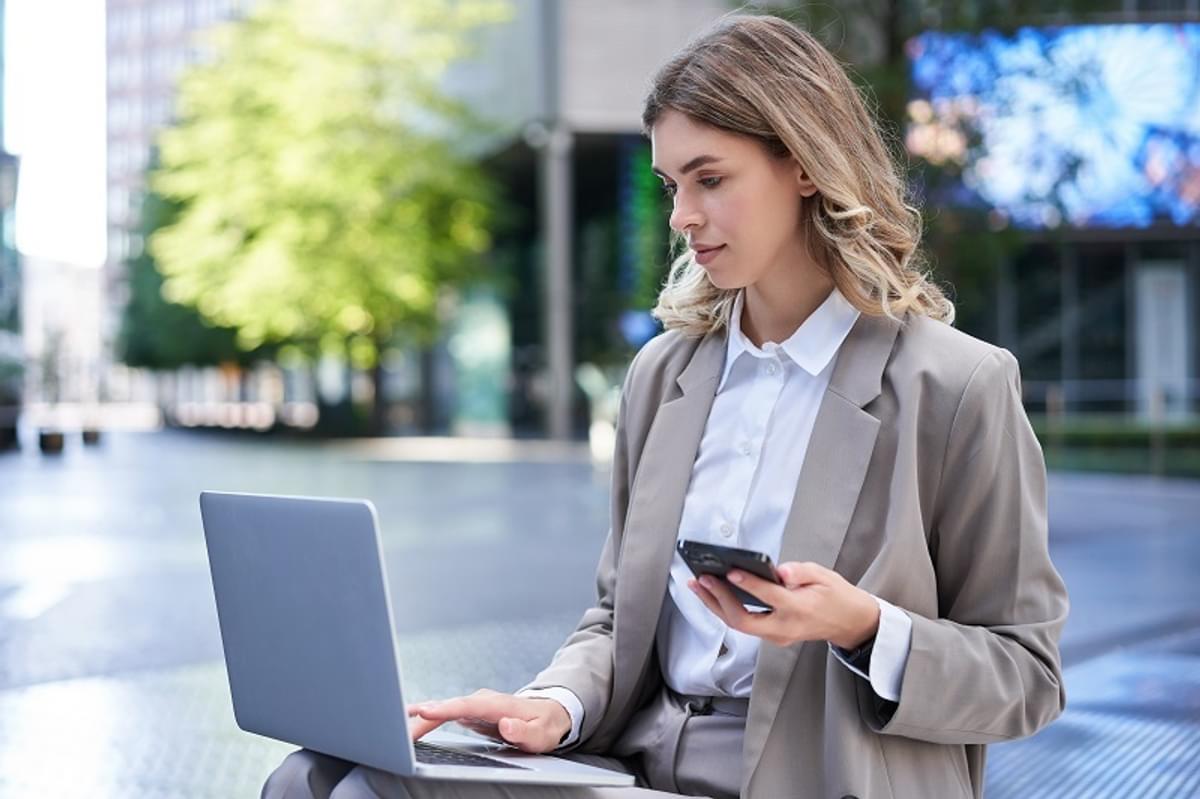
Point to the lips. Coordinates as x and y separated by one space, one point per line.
705 253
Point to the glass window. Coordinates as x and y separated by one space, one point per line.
1101 331
1038 278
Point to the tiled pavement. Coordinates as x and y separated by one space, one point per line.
1132 729
171 733
111 683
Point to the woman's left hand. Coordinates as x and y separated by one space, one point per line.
813 604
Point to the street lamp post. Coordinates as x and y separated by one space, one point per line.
553 142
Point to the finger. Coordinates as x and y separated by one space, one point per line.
488 707
529 736
769 593
420 727
795 574
731 607
734 613
708 599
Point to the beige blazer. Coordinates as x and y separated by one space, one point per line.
924 485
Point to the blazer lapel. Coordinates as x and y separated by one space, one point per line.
656 505
831 478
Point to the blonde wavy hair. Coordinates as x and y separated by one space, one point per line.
763 77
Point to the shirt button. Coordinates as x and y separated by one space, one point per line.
727 529
745 448
772 368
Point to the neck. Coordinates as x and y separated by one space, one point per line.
775 306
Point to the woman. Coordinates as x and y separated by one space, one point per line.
808 400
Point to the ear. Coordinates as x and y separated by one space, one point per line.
807 187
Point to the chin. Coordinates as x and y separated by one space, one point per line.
725 282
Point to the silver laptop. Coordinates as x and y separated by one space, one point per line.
310 646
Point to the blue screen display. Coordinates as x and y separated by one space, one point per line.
1087 126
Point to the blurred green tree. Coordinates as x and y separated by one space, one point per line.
156 333
325 194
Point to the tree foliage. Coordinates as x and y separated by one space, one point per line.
156 333
322 194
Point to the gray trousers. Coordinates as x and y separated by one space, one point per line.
674 746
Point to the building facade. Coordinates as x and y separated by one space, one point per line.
62 310
149 44
11 351
1101 199
564 81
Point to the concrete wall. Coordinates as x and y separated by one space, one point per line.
611 49
606 52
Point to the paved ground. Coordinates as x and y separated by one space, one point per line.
111 682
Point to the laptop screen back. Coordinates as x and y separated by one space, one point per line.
306 624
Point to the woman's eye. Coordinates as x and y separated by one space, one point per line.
710 183
669 189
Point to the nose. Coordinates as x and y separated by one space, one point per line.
684 214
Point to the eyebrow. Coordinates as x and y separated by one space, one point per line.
695 163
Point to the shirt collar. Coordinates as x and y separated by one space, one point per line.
811 347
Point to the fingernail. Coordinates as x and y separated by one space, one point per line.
706 581
735 577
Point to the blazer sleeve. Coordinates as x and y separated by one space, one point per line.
584 664
988 669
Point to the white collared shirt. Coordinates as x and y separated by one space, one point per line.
743 482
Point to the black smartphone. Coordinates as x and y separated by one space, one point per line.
717 560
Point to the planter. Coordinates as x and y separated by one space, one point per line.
9 412
51 442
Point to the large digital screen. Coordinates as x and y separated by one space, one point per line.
1087 126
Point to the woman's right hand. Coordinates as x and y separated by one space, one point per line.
532 724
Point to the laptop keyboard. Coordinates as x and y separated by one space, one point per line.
435 755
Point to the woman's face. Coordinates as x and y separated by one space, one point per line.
738 206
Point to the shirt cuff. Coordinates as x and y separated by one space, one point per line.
567 698
889 655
